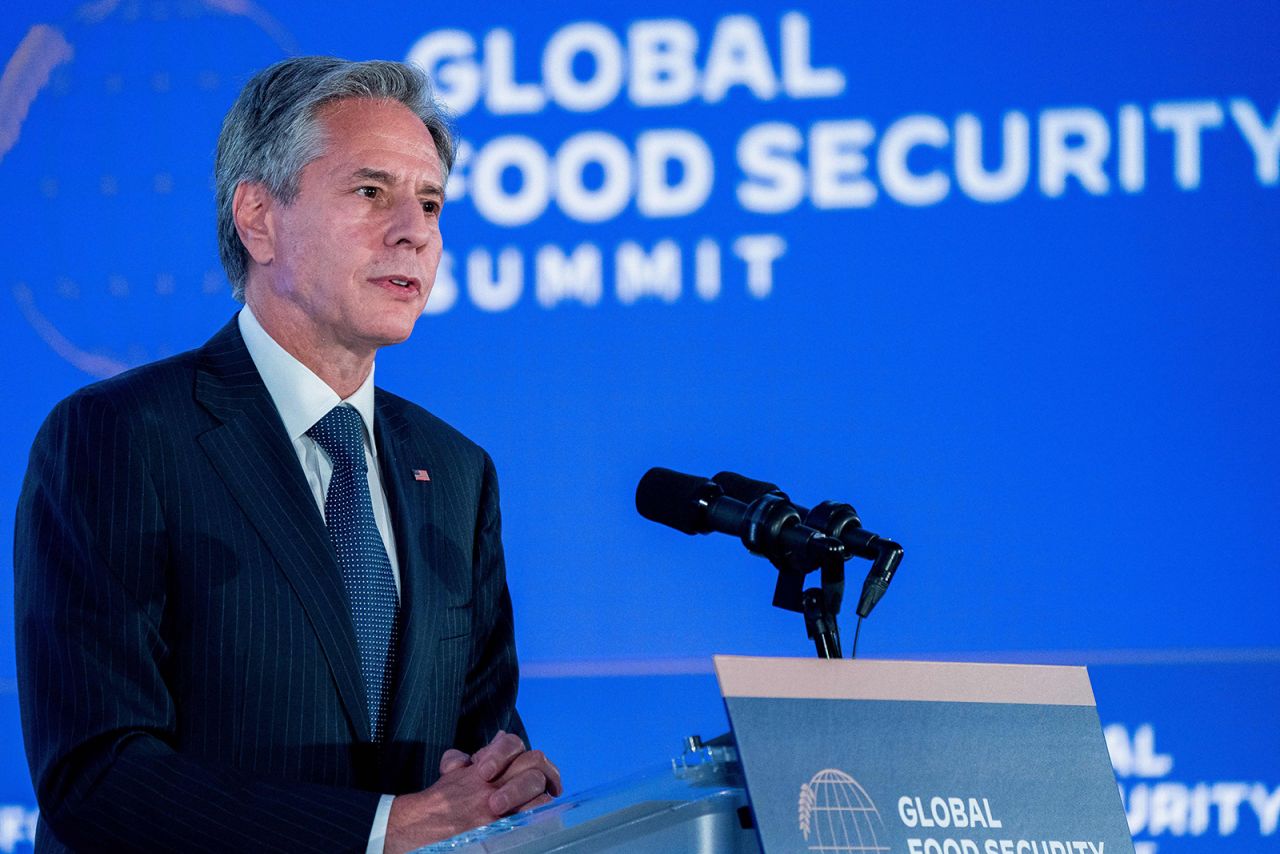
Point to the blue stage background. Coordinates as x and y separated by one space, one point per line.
1006 278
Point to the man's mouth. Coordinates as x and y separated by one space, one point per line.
404 283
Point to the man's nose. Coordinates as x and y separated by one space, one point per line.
410 225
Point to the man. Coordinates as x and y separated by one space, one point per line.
257 598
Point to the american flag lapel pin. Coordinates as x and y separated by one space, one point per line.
421 474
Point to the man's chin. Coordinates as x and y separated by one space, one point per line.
396 333
396 326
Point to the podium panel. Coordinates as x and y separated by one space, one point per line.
923 757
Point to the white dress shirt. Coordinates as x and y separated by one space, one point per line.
302 399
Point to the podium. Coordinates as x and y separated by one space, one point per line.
859 756
697 804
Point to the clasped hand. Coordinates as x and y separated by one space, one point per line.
501 778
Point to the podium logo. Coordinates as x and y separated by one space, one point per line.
837 814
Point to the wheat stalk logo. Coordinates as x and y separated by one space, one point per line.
807 801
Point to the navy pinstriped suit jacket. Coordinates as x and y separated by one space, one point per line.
187 664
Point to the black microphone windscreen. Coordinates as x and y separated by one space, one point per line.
671 498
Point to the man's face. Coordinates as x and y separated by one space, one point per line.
355 254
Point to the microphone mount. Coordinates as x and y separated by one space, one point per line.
795 540
821 605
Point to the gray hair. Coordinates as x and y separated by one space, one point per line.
272 131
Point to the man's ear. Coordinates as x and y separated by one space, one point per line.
250 210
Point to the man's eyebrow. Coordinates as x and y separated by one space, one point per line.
382 176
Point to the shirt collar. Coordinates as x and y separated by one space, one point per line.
301 397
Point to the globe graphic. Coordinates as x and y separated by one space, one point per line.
111 114
837 814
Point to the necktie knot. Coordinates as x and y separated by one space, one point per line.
341 433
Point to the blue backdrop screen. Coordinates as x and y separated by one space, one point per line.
1004 278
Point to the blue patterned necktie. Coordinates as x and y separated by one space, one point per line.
366 571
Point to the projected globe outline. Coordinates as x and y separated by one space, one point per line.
119 250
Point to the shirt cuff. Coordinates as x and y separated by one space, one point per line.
378 835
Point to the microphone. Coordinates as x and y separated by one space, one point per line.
768 525
837 520
879 576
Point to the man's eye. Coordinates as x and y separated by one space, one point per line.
431 207
368 192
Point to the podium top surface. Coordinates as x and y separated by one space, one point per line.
844 679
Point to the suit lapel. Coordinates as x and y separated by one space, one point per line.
425 574
252 453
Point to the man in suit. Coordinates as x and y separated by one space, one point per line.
260 604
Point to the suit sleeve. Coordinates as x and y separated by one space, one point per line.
489 698
91 588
